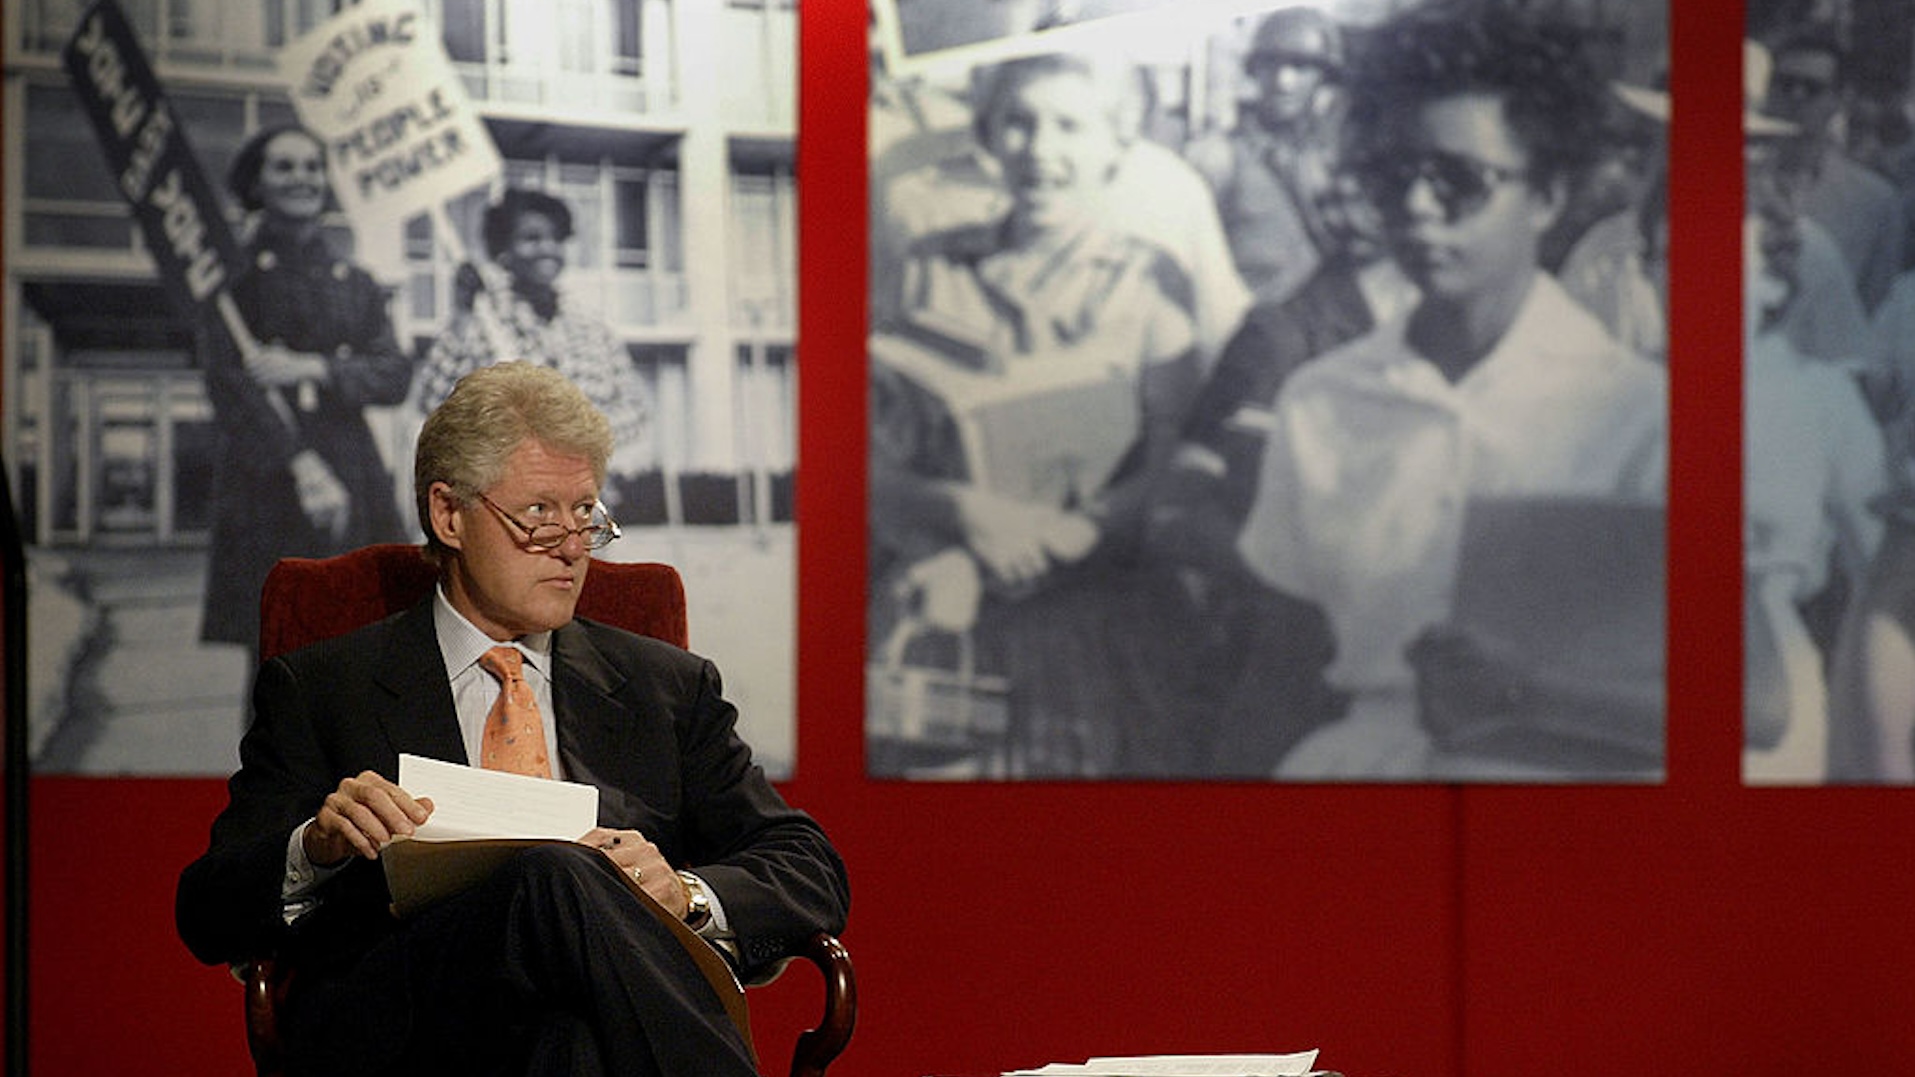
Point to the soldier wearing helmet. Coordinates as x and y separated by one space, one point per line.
1295 56
1272 173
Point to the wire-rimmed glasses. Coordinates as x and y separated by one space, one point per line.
599 531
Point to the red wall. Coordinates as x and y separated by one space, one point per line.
1695 927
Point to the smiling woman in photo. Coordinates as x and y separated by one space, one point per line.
1065 348
299 473
525 234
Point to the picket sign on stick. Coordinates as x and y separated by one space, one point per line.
155 170
194 251
374 83
483 306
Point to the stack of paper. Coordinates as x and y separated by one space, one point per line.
470 802
480 819
1291 1065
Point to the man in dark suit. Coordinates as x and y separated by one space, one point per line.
549 965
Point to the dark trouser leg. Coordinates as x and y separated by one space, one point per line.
549 961
564 1045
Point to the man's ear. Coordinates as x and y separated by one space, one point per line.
448 519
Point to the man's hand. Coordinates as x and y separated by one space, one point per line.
360 817
630 851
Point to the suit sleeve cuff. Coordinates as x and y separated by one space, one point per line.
299 886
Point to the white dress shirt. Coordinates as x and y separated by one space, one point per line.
1375 454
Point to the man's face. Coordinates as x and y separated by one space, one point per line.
1803 90
1461 213
499 583
1287 88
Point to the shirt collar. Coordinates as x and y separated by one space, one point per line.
1548 326
461 642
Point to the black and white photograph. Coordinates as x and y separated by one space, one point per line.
250 244
1828 394
917 29
1276 395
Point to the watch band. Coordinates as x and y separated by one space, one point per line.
697 901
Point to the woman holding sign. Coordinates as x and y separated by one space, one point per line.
525 234
299 474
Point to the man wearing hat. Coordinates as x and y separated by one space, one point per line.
1272 173
1819 308
1808 87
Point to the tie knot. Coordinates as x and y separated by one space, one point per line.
503 663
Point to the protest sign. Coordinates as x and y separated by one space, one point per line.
154 168
374 83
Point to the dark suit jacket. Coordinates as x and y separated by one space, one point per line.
640 719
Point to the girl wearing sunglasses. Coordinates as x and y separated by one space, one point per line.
1467 131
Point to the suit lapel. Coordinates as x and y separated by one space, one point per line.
608 740
584 688
411 671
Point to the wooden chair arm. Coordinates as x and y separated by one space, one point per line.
817 1047
265 990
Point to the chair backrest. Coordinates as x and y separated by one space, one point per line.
309 599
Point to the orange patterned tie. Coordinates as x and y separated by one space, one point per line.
514 736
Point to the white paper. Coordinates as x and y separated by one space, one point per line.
471 802
1290 1065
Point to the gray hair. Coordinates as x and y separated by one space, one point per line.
467 441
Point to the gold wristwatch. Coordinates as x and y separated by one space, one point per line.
697 901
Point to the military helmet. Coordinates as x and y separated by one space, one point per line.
1296 35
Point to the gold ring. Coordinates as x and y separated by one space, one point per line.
638 875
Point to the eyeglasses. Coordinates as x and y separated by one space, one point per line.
598 532
1461 185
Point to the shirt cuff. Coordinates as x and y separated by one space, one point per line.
717 930
299 886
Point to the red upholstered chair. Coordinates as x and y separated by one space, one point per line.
307 600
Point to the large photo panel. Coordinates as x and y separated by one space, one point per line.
1828 394
209 200
1267 391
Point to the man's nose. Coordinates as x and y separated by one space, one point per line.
572 548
